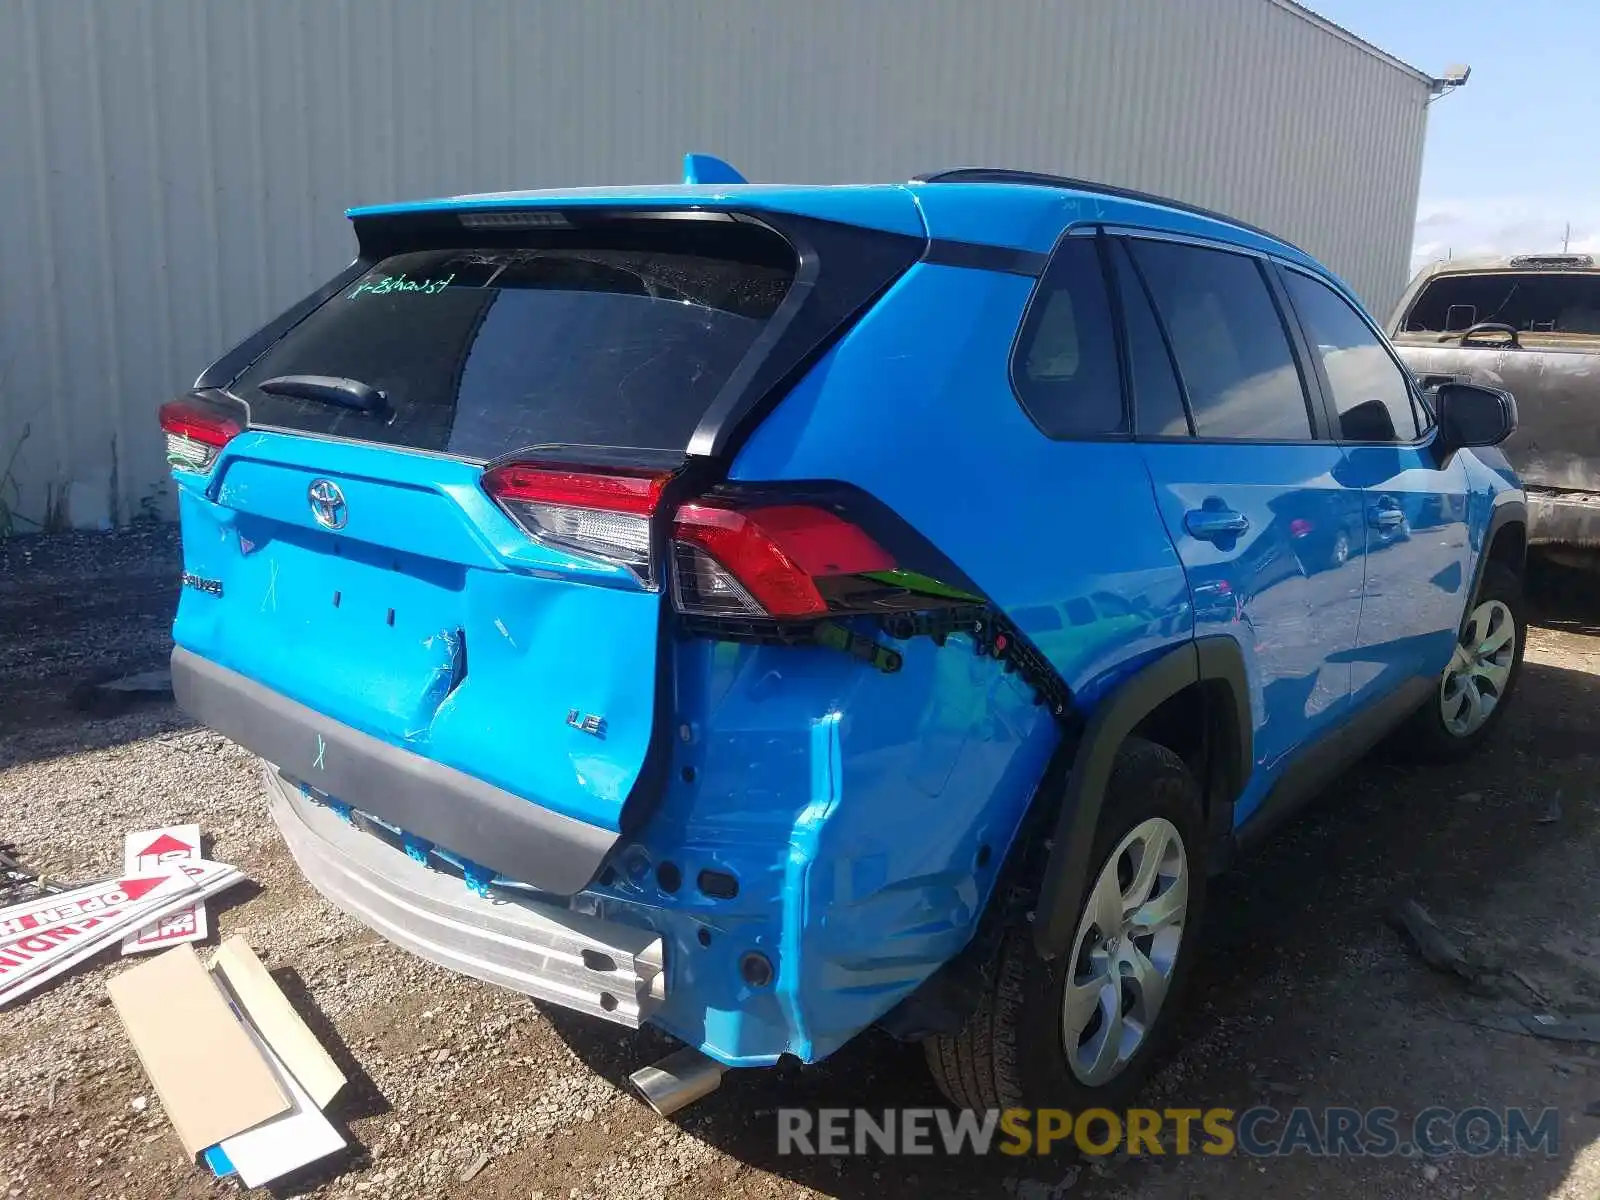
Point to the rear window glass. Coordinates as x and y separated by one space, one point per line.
483 351
1529 303
1065 365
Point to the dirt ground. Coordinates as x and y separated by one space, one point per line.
1305 996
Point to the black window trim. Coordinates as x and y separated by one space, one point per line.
1073 232
1310 383
1426 430
1119 245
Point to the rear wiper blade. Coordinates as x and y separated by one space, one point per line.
328 389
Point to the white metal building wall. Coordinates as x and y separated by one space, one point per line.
172 172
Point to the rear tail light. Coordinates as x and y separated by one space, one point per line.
781 561
195 435
756 556
601 514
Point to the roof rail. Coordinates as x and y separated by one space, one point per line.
1041 179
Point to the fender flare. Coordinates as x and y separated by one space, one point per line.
1512 509
1215 659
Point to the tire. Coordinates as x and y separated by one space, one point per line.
1013 1050
1437 733
1340 553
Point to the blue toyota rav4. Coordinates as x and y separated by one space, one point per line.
766 612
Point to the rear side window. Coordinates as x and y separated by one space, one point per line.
1369 391
583 340
1229 342
1065 367
1529 302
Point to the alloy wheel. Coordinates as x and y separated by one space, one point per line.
1125 951
1475 681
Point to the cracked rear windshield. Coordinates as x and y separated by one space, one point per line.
580 340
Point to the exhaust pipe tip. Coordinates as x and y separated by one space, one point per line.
678 1080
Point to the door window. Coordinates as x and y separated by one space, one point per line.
1369 391
1232 351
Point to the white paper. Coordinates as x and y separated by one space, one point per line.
286 1143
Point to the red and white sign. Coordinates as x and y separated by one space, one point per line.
156 850
43 951
91 900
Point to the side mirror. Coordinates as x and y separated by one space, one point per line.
1472 415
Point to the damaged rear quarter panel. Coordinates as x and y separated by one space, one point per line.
865 816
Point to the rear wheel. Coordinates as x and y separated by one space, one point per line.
1477 683
1086 1028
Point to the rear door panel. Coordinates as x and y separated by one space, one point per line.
1285 583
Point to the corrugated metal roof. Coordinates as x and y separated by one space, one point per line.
1354 39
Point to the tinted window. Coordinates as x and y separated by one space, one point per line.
1529 302
1369 391
1232 351
482 351
1065 366
1156 397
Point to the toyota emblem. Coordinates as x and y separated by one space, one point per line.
327 504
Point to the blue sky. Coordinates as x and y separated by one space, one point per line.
1511 157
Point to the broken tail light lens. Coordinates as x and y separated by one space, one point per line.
195 435
782 562
604 515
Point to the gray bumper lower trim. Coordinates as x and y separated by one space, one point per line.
1566 517
580 962
467 816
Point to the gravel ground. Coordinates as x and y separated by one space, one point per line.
1305 995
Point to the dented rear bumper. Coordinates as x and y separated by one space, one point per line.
603 968
473 819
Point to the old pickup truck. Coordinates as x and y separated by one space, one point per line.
1531 325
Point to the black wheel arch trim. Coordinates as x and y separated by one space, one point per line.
1512 511
1215 659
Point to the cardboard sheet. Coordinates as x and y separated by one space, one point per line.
212 1079
269 1010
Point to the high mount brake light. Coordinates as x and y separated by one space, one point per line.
603 514
195 437
772 561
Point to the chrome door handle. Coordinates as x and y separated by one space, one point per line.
1214 524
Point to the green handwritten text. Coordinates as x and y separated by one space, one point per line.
399 283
